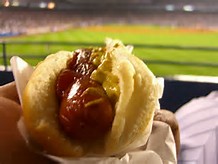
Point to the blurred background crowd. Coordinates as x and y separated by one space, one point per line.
25 16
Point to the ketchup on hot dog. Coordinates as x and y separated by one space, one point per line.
86 112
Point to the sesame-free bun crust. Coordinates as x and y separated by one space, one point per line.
40 108
133 112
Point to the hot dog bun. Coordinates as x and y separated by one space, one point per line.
134 109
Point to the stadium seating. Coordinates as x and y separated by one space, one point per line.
28 21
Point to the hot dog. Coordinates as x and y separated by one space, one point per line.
94 101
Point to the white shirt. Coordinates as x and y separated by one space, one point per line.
198 121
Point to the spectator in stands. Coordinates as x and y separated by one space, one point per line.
13 148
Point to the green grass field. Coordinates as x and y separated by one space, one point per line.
136 34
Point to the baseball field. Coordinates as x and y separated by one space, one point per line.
166 50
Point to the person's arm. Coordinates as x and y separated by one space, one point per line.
169 118
13 148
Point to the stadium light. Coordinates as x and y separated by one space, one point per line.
51 5
42 5
7 3
170 7
15 3
188 8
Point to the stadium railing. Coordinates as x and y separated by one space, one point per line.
4 58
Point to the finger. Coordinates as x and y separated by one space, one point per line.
159 116
13 148
167 117
9 91
170 119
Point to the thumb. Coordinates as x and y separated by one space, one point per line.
9 91
13 148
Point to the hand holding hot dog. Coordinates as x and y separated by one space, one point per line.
97 101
